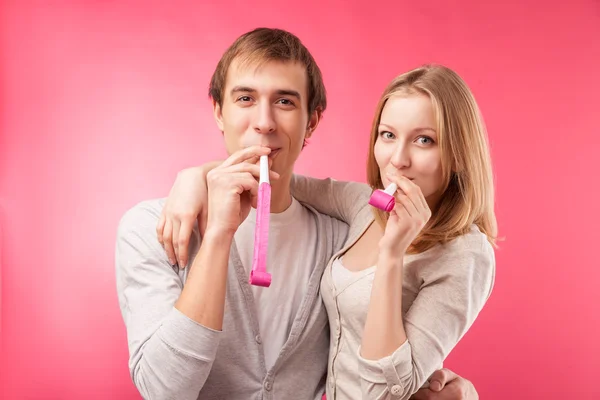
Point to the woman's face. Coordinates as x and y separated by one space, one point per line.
407 144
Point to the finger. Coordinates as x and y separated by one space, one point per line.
422 394
419 196
185 232
249 184
422 198
440 378
412 190
176 226
400 211
253 160
161 226
253 169
245 154
407 203
168 244
398 181
436 386
202 221
244 182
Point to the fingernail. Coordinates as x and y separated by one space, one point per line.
435 386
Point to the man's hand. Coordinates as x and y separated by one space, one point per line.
189 199
446 385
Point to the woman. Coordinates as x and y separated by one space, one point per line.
408 285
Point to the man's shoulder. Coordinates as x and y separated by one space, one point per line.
138 254
142 217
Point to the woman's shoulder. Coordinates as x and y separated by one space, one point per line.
462 253
474 241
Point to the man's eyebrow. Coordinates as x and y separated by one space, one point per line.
245 89
281 92
289 92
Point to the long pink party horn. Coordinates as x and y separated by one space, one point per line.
259 275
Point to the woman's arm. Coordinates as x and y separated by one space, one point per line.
338 199
398 355
404 353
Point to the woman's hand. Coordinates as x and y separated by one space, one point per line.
187 202
406 220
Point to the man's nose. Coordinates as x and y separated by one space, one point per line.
264 121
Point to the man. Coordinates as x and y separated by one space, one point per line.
203 332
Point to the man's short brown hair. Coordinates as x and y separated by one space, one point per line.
263 45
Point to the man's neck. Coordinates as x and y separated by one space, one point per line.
281 198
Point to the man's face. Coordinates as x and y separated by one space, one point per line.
267 106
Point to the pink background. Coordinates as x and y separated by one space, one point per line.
102 102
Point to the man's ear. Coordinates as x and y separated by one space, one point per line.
217 113
313 122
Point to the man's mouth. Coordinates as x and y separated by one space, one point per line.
274 152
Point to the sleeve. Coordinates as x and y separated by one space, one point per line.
446 306
341 200
170 355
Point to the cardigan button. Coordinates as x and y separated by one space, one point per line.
268 386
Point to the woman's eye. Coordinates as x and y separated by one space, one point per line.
387 135
425 140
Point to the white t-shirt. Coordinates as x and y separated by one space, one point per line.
290 261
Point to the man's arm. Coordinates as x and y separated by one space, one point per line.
170 353
173 329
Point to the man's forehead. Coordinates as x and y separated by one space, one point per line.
262 75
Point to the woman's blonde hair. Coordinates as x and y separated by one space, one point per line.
468 192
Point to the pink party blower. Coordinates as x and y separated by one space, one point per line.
259 275
384 199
